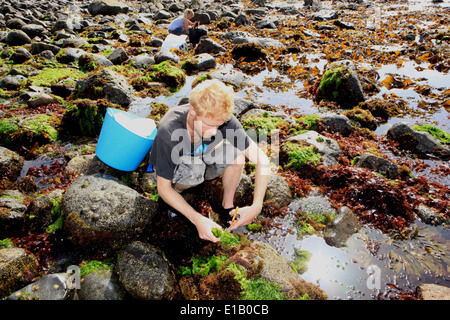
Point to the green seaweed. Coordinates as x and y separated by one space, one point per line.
51 76
6 243
226 237
203 265
262 124
299 156
92 266
169 73
255 288
331 80
439 134
40 125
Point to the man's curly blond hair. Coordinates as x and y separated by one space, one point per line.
213 99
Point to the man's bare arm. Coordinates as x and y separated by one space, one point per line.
262 175
203 224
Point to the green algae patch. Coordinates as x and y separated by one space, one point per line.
262 124
168 73
331 81
299 155
227 238
50 76
6 243
439 134
26 131
204 265
7 128
254 227
41 126
85 117
255 288
94 266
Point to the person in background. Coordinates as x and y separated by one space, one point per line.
200 141
181 24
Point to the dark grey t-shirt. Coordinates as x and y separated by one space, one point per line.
172 140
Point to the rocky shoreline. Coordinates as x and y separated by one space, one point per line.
65 62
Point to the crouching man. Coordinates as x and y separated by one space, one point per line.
202 141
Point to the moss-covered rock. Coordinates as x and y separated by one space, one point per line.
423 140
50 76
240 269
84 117
299 154
340 84
363 117
169 73
16 267
261 123
25 131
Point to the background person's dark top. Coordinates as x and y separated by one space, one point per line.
175 118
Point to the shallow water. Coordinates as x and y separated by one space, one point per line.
370 263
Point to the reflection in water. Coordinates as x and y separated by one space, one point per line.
402 260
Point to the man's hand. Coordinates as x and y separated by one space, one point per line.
204 227
245 216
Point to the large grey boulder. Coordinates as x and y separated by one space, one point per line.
69 55
418 142
11 164
143 61
17 38
200 62
266 42
116 88
38 47
145 272
378 164
101 208
101 285
340 83
107 7
278 192
118 56
236 78
12 212
337 123
208 45
49 287
13 82
15 265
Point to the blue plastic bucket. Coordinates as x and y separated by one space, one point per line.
123 142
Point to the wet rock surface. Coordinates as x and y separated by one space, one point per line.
98 207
